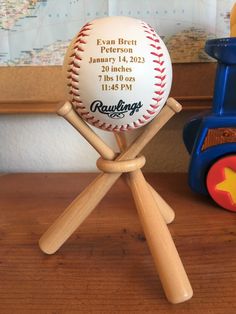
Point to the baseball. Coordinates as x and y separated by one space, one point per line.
119 73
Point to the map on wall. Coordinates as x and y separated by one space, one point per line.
37 32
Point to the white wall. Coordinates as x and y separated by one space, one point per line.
47 143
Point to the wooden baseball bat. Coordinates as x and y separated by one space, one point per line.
166 258
84 204
161 245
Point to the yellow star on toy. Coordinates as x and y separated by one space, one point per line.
229 184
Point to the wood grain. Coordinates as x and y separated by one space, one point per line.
106 266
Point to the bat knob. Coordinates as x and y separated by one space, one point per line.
174 104
64 109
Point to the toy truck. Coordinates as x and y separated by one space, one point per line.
210 138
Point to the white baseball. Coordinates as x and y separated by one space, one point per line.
119 73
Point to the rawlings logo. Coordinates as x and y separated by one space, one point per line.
115 111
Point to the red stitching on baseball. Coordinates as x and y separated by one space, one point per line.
160 84
159 55
150 112
160 62
159 70
155 106
156 39
153 46
73 67
89 118
109 127
75 91
78 49
71 70
157 99
160 92
84 113
141 121
162 78
96 121
153 39
79 102
79 107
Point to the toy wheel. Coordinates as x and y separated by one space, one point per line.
221 182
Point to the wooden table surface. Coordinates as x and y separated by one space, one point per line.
106 267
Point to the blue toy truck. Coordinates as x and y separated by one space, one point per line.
210 138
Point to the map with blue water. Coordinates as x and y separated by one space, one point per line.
38 32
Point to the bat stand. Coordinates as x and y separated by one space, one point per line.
153 211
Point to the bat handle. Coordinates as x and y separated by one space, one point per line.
166 258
